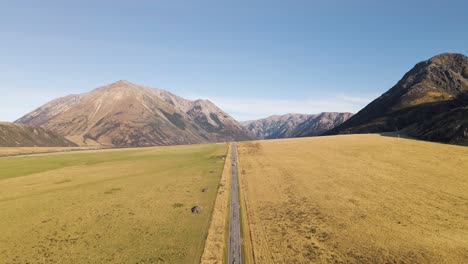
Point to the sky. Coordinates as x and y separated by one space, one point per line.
251 58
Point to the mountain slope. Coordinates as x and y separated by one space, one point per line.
276 126
318 124
295 125
127 114
429 102
17 135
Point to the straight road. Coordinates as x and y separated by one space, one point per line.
235 242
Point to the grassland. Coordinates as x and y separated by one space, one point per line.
215 245
125 206
354 199
16 151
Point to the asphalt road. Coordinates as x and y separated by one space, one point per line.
235 241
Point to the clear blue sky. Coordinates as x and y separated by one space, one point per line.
252 58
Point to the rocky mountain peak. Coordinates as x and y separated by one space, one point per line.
120 83
127 114
449 59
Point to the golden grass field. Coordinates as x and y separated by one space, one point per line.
354 199
125 206
16 151
215 244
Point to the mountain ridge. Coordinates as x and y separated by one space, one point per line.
127 114
295 125
417 104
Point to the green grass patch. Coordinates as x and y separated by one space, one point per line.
118 206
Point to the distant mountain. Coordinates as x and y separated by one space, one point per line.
318 124
127 114
430 102
17 135
276 126
295 125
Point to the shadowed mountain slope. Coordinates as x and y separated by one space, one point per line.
17 135
430 102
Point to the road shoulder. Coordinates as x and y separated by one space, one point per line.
247 245
215 244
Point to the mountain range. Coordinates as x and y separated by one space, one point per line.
430 102
295 125
126 114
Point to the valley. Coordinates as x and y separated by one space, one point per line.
234 132
347 198
91 180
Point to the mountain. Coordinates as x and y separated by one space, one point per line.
430 102
276 126
126 114
295 125
320 123
17 135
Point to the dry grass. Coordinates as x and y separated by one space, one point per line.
216 241
128 206
355 199
14 151
251 149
